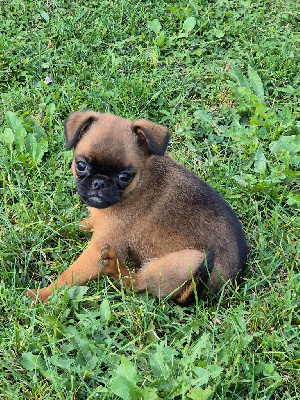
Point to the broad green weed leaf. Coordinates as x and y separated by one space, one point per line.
289 89
268 368
219 33
32 126
7 137
199 347
29 139
287 144
189 24
50 109
160 40
20 136
64 363
256 83
239 320
246 340
293 200
35 149
199 394
240 180
158 366
260 161
42 148
295 160
70 332
77 292
236 74
31 361
34 362
124 388
124 383
151 335
215 370
155 26
14 122
44 15
203 116
127 370
162 361
105 312
148 393
202 374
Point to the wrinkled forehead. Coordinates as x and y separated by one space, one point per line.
109 141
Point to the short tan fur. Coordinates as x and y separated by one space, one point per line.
177 231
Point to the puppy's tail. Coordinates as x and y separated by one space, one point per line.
198 281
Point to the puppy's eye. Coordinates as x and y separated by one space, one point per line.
124 178
81 167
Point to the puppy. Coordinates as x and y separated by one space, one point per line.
181 235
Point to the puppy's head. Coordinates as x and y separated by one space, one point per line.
110 153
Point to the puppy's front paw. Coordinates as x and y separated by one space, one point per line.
108 262
31 293
42 294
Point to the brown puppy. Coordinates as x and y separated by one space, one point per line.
145 206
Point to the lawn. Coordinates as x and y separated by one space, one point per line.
224 77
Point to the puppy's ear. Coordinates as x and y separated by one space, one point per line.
76 125
153 138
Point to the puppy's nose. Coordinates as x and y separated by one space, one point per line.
99 184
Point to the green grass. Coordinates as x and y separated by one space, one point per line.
224 77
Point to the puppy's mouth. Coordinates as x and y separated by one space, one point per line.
99 198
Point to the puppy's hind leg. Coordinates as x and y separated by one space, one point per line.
174 274
182 270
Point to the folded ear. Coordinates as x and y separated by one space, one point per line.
154 138
76 125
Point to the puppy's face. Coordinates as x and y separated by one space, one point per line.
101 185
110 154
